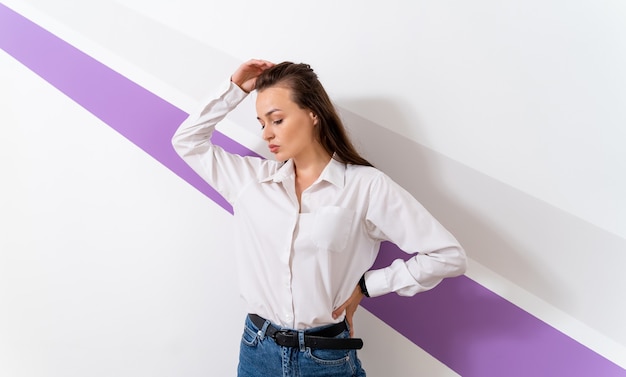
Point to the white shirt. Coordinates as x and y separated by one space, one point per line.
296 267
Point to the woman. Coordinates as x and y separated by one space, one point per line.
311 224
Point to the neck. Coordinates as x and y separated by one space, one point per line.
308 169
311 165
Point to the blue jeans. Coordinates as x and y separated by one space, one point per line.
260 356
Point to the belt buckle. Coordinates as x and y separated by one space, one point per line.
285 338
283 334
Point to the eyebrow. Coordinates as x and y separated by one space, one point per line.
270 113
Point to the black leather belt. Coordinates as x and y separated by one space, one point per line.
323 338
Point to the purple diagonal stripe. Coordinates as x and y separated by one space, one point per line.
140 116
477 333
467 327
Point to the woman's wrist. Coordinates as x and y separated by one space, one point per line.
363 286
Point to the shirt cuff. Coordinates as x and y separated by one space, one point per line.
233 93
376 283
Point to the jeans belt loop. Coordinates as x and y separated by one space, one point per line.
263 329
301 340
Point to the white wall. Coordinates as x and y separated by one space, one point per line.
112 265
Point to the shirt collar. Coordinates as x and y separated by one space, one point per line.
333 173
285 171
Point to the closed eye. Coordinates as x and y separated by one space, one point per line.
277 121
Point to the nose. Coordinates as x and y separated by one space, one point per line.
267 135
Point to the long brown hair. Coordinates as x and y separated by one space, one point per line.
308 93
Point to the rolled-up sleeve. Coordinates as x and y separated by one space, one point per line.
395 215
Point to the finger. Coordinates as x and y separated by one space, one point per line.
264 62
350 325
259 63
338 311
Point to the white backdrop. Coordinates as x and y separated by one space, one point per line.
112 265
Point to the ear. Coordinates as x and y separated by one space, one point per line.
314 117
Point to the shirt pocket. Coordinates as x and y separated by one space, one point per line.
331 228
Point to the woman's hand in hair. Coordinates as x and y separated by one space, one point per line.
245 76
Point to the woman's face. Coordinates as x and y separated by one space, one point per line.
287 128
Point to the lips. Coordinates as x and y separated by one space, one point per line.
273 148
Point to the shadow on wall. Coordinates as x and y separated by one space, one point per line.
430 176
459 322
562 259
